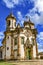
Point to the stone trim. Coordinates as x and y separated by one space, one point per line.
5 48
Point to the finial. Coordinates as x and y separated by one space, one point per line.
11 11
27 18
18 25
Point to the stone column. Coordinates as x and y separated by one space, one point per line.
19 39
31 52
34 40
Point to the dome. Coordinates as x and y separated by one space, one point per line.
11 16
28 21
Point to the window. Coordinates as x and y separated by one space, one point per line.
8 22
8 37
7 48
22 40
15 41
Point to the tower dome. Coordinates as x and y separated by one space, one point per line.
10 16
28 23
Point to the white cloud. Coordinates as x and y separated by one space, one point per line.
19 15
40 41
38 7
12 3
37 19
0 43
38 4
20 18
40 35
15 1
1 35
8 3
40 50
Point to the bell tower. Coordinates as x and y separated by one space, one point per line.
11 22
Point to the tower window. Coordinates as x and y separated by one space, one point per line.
8 22
8 37
15 41
22 40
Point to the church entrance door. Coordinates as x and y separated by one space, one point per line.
28 54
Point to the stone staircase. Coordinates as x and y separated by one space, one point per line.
28 62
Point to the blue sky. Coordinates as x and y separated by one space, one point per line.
21 8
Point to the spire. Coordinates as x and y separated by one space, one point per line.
18 25
11 14
29 19
26 18
11 10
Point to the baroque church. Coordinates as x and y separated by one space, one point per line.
19 43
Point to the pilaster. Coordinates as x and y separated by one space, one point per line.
12 52
24 51
19 39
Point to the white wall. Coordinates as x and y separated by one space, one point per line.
8 44
3 53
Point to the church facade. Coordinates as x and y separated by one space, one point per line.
19 42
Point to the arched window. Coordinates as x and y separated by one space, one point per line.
22 40
8 22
